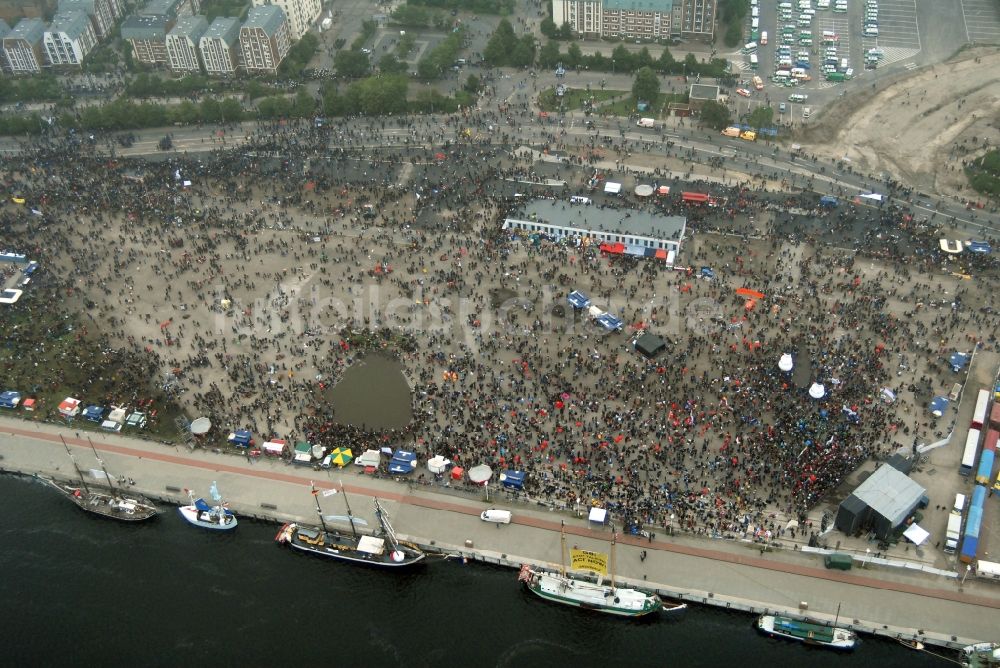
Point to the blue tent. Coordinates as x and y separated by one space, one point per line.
512 479
938 406
706 272
958 361
610 322
241 438
402 462
980 247
94 413
10 399
578 300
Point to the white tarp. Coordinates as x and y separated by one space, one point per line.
595 312
371 545
875 197
915 534
370 458
612 188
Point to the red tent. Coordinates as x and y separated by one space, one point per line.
699 198
457 472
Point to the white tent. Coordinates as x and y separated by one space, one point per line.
786 363
370 458
915 534
817 391
437 464
612 188
598 515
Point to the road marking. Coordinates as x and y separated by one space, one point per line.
910 66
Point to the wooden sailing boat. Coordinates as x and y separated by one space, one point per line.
383 549
595 595
113 503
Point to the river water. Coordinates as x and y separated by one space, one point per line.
84 591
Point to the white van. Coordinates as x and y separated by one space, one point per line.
785 5
750 47
646 123
755 12
763 37
496 516
843 64
870 32
754 24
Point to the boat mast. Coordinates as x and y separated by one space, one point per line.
73 459
319 511
101 462
383 521
350 515
614 540
562 548
837 618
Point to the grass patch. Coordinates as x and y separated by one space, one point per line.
658 109
984 174
575 98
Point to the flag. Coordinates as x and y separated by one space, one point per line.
585 560
214 491
315 492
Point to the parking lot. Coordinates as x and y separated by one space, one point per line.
982 20
898 32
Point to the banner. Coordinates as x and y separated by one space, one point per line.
585 560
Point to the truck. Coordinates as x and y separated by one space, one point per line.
828 201
836 76
731 131
749 135
842 562
646 123
953 533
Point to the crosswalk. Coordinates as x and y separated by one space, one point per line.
910 66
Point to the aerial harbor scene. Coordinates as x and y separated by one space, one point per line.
500 332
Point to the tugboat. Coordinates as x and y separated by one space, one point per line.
593 595
835 637
382 550
113 503
201 514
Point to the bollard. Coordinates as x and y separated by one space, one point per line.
171 488
268 506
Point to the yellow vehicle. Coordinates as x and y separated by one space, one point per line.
749 135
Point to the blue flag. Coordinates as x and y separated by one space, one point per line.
214 491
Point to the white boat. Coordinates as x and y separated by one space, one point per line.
201 514
810 633
592 593
981 655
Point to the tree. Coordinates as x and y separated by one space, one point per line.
565 31
548 28
304 105
231 110
523 54
501 44
715 115
351 64
624 60
211 110
472 84
761 117
734 34
666 63
390 64
646 85
574 56
549 55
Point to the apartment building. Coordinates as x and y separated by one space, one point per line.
148 37
220 46
23 46
264 39
69 38
4 31
103 14
182 44
649 20
300 14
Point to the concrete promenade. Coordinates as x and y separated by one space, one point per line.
895 602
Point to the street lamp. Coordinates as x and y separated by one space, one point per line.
868 552
968 569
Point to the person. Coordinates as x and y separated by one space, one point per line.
642 556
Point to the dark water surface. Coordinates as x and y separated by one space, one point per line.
84 591
373 394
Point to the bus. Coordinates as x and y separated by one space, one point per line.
988 570
753 61
750 47
982 404
970 540
969 457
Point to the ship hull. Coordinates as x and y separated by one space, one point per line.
345 548
196 518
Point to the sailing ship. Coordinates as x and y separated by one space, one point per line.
113 503
581 592
201 514
810 633
383 549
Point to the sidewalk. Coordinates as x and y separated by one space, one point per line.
720 572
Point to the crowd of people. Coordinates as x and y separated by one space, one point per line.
252 277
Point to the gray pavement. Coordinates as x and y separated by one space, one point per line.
895 602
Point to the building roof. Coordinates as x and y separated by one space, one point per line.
85 5
144 27
890 493
704 92
192 27
161 8
602 219
661 6
4 28
267 17
30 30
73 23
225 28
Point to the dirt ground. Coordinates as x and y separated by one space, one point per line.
919 128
